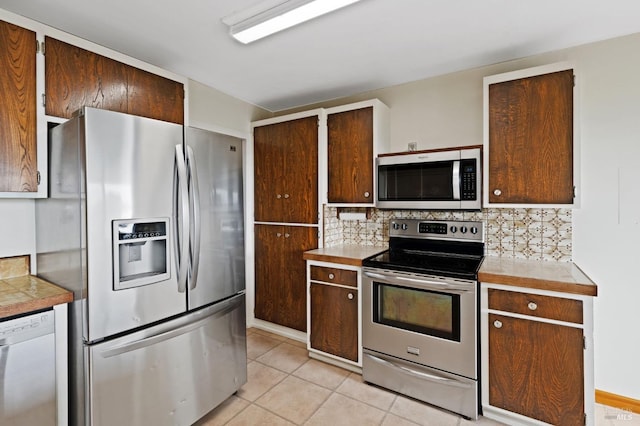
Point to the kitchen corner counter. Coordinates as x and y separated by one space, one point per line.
21 293
552 276
344 254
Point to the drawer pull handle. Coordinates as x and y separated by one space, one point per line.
286 195
278 196
533 306
497 324
350 296
331 276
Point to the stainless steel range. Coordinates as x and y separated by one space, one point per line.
420 313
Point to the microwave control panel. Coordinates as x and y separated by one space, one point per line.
468 177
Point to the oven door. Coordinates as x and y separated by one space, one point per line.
423 319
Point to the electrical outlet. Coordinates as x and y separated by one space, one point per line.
412 146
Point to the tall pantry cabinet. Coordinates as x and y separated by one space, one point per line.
285 214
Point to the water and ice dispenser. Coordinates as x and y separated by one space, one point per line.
140 252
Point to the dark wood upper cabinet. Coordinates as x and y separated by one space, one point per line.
350 156
530 139
356 134
18 128
153 96
76 77
286 171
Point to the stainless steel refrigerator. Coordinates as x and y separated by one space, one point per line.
144 222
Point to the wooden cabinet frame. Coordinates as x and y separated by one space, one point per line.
586 327
521 74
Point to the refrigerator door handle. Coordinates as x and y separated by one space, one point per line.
218 311
181 216
194 224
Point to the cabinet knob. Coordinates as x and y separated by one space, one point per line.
533 306
278 196
278 235
286 195
286 235
366 194
497 192
497 324
331 276
350 296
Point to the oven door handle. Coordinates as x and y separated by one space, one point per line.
425 284
419 374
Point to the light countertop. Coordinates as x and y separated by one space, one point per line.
565 277
344 254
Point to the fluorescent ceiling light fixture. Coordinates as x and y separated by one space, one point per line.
279 17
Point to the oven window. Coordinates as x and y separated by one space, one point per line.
423 311
416 182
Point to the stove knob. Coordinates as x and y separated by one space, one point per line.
404 227
395 225
463 229
474 230
453 229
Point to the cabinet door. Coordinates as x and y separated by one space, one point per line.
75 77
350 156
334 320
286 171
281 273
268 150
536 369
297 240
268 269
300 175
18 154
153 96
531 140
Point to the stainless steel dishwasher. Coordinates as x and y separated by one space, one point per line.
27 371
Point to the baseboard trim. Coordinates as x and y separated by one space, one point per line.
617 401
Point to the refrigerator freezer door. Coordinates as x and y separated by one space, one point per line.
129 174
218 247
171 374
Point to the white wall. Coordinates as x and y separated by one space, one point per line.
447 111
17 227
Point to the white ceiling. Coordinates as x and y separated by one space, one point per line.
365 46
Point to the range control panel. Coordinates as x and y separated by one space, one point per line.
465 230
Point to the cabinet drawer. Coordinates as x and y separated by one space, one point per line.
535 305
334 275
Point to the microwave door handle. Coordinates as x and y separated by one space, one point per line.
455 181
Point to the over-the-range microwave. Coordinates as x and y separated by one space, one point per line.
442 179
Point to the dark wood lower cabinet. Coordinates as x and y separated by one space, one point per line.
334 320
281 273
537 369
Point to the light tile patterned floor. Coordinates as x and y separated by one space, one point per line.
286 387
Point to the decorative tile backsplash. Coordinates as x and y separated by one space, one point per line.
538 234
